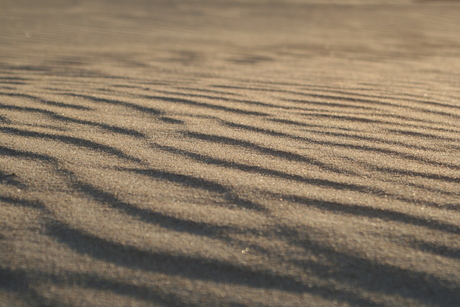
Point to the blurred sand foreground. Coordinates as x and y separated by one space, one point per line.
229 153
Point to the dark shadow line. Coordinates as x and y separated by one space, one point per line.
318 182
15 79
25 67
148 110
453 207
6 176
18 281
370 139
5 87
436 249
422 187
249 59
369 212
205 105
9 179
353 137
170 120
397 96
264 150
47 102
366 120
13 82
208 91
23 203
199 183
5 151
85 73
329 97
186 180
72 141
302 124
389 104
93 281
26 109
4 119
250 88
111 128
431 103
194 268
423 135
174 265
367 274
392 171
152 217
417 174
250 102
329 104
78 121
270 172
377 102
351 118
293 123
348 146
348 99
312 110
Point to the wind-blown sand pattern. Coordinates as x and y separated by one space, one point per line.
229 153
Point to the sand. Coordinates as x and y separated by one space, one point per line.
229 153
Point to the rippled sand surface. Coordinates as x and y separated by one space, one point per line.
229 153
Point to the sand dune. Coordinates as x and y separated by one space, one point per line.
230 153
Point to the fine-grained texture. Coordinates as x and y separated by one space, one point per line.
229 153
